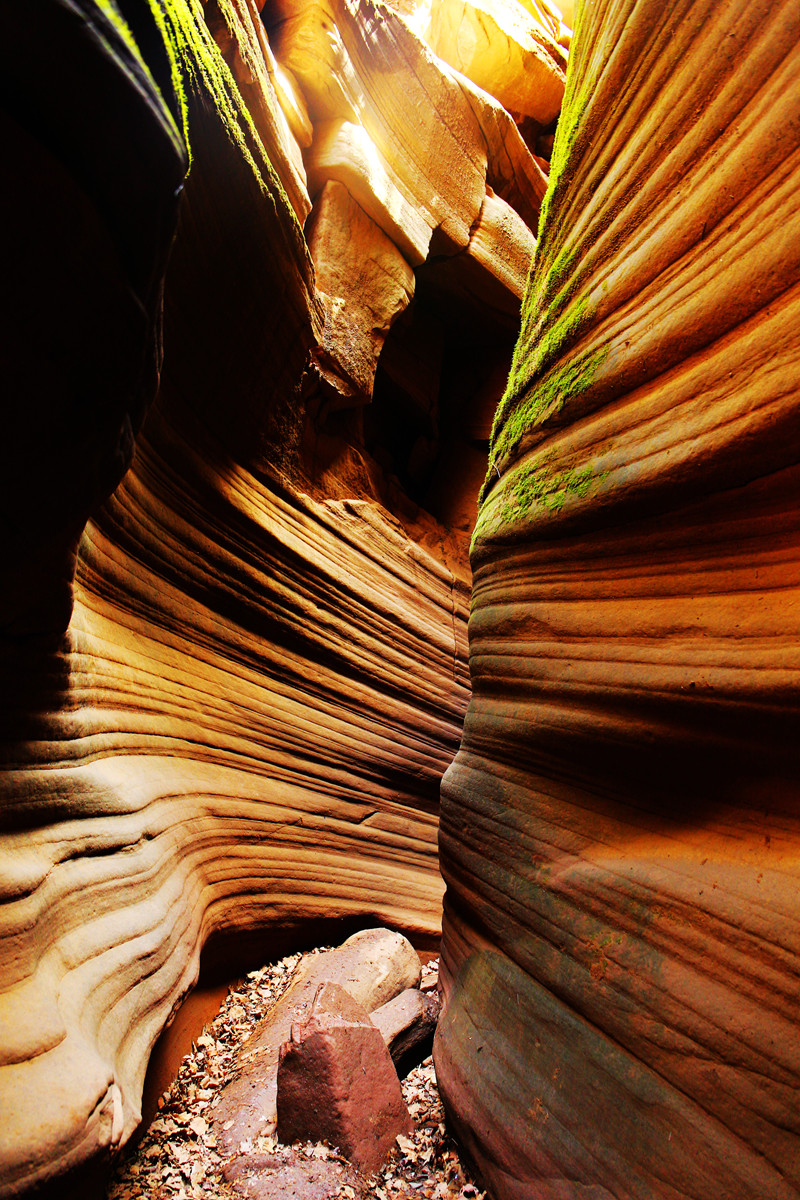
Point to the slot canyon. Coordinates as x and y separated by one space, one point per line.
400 514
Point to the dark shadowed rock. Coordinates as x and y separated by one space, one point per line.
337 1083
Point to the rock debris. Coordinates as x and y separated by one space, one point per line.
178 1158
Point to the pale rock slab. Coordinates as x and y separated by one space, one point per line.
364 283
343 151
504 49
307 42
291 100
549 16
491 273
503 245
417 116
407 1023
409 134
511 170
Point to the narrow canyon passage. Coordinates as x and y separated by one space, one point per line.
335 325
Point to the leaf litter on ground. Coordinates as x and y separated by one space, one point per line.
178 1159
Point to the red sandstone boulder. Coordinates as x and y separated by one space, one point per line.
336 1082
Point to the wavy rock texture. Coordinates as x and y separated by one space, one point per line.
620 827
240 724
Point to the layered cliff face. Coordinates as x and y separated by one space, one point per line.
230 696
620 827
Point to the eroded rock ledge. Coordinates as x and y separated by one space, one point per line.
229 696
620 827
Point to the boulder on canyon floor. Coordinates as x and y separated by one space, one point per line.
407 1024
337 1082
373 966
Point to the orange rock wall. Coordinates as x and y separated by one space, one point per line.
620 829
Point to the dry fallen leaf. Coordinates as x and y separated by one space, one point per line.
177 1158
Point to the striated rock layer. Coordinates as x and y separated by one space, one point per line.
620 828
229 698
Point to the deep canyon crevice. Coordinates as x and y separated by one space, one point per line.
272 334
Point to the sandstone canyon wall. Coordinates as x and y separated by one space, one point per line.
237 491
619 830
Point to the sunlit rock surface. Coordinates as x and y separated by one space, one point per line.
228 699
503 47
364 283
620 830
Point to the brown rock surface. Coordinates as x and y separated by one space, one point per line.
364 283
504 48
511 170
441 163
263 1177
343 151
489 275
179 1142
337 1083
620 827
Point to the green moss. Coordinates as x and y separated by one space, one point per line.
562 333
534 486
123 31
515 415
580 88
570 124
550 275
526 365
196 61
548 397
157 12
115 18
544 488
555 286
554 318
